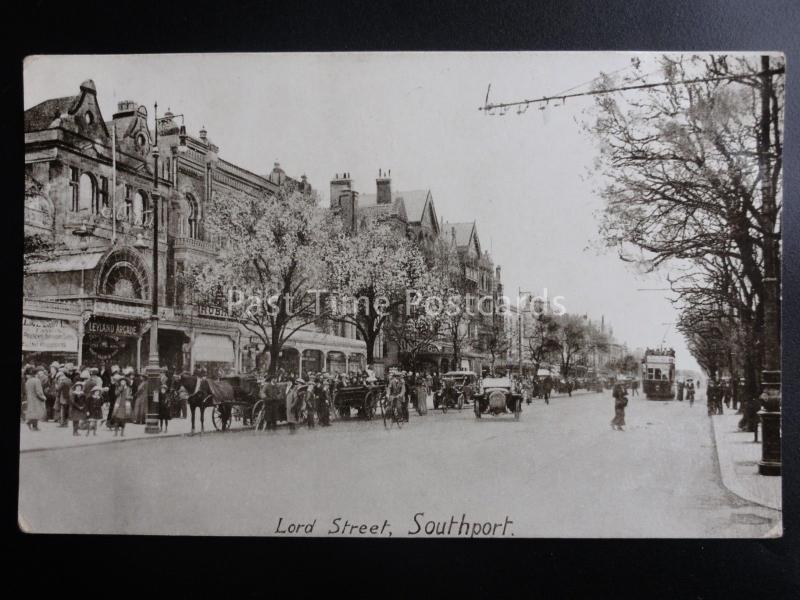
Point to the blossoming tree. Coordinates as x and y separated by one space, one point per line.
270 263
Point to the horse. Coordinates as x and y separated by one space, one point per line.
203 398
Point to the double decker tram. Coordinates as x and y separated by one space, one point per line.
658 374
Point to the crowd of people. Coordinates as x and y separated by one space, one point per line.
112 396
88 397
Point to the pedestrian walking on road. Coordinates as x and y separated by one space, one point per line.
620 402
547 387
35 398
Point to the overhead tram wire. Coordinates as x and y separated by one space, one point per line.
547 99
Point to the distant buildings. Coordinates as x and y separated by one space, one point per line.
413 214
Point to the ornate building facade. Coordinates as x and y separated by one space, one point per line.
90 185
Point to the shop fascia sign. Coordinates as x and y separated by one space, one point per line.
121 310
204 310
112 327
48 335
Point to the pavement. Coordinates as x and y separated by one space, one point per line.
738 458
560 471
50 436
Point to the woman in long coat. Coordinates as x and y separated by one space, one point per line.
122 408
422 396
620 402
140 406
34 396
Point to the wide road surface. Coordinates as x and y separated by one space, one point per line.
560 471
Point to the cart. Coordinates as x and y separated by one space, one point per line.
362 398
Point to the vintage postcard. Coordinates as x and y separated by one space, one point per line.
409 295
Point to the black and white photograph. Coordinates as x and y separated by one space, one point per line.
403 294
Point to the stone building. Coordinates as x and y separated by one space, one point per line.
483 281
413 214
90 185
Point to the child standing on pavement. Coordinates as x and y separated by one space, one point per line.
94 409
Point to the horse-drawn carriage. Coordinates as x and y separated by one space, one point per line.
231 398
363 398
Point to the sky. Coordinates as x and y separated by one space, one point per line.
525 179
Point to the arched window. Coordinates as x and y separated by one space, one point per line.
192 217
87 192
138 208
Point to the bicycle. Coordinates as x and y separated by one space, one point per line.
391 411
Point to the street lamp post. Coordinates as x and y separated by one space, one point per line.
770 463
153 369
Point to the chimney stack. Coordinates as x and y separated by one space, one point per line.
340 184
384 187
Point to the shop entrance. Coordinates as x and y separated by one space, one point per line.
170 349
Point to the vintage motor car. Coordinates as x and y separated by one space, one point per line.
452 391
498 397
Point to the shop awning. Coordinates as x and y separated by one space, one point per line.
84 261
213 348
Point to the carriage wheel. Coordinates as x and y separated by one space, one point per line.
369 406
216 418
258 415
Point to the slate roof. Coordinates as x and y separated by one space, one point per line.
42 115
413 200
463 232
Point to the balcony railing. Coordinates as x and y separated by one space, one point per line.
189 243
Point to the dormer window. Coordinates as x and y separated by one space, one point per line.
140 141
88 117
